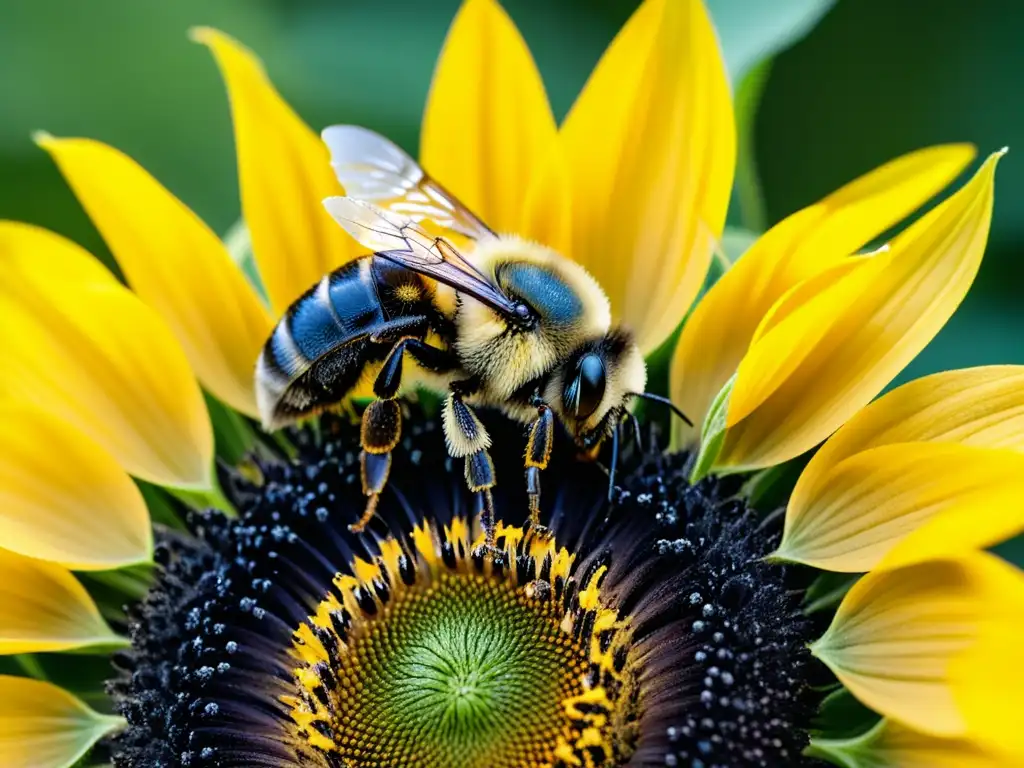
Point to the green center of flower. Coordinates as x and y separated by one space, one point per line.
450 663
467 669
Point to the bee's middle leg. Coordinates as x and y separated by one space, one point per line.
382 419
467 438
538 453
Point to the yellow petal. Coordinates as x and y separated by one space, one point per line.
174 262
284 173
651 147
547 210
981 407
902 747
977 413
904 503
719 331
43 608
891 745
853 337
83 347
897 633
988 680
488 127
43 726
63 498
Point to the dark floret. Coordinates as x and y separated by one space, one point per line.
717 641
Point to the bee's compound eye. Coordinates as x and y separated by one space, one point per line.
586 389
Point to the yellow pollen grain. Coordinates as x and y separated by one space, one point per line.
408 293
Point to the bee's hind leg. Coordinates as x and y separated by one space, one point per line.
538 453
380 432
382 419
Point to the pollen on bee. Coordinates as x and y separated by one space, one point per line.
408 293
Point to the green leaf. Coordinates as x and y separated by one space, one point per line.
770 488
127 583
29 665
841 716
84 676
853 752
163 510
232 435
827 591
202 500
712 434
238 241
749 195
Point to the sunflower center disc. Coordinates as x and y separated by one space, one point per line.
465 673
448 665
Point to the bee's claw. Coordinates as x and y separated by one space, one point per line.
371 509
490 552
540 531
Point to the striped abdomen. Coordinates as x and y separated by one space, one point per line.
319 349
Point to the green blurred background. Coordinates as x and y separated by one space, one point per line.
847 84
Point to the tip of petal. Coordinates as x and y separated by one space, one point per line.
986 173
995 157
217 41
204 35
43 138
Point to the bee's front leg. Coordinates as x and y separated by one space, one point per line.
382 419
467 438
538 453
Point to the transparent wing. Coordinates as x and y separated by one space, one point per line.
401 240
373 169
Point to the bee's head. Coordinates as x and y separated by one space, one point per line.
594 386
558 306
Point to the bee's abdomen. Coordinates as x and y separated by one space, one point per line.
319 349
342 307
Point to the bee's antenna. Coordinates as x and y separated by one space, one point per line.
614 462
636 432
664 401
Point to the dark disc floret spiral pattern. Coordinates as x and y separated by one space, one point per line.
643 632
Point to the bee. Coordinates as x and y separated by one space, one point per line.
490 320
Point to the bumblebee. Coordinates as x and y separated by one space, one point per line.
490 320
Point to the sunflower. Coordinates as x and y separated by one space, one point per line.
680 623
